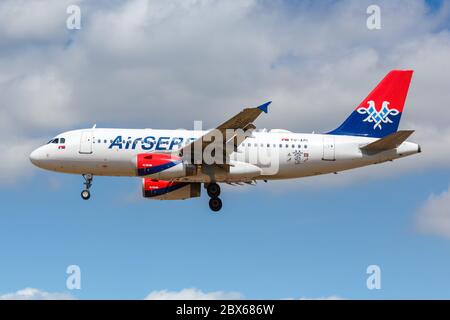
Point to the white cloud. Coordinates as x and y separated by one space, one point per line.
197 294
193 294
434 216
33 20
15 164
36 294
37 101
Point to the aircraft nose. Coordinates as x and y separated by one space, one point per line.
36 157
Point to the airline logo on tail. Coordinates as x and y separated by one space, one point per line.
378 117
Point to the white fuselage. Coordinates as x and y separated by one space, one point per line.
278 153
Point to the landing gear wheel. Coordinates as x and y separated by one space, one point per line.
213 190
85 194
215 204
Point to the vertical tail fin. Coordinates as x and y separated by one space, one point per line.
379 114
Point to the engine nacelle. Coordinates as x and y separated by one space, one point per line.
162 166
169 190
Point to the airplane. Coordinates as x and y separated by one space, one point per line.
173 164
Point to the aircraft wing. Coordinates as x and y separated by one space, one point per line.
220 139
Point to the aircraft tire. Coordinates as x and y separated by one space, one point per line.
213 190
85 194
215 204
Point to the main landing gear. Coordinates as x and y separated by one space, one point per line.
85 194
213 189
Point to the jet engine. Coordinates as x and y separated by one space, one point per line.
169 190
162 166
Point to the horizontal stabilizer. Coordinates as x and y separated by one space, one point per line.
391 141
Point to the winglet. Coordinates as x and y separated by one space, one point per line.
265 107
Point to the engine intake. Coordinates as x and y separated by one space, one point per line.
163 166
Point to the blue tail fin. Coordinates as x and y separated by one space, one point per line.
379 114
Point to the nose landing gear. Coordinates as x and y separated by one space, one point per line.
213 190
85 194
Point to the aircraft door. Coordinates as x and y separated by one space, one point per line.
86 142
328 148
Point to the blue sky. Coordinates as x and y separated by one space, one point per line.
263 245
308 238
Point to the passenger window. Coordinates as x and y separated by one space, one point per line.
62 140
306 146
256 145
281 146
106 141
268 145
293 146
287 146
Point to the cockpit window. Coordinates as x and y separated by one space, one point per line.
57 140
